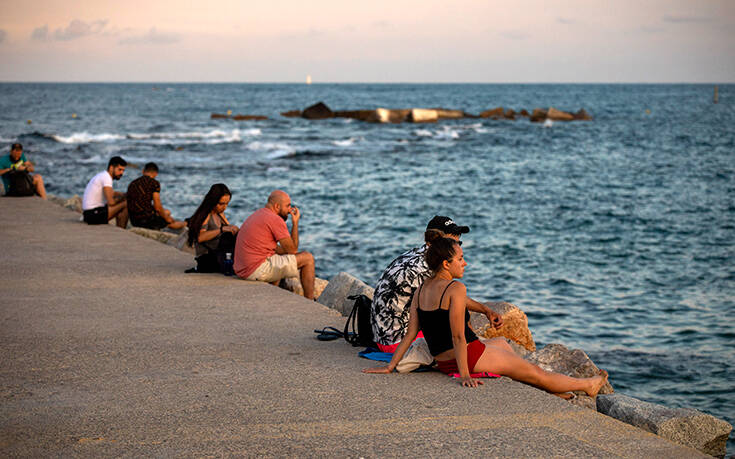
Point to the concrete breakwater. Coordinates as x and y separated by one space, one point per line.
684 426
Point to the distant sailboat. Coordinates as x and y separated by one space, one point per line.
308 79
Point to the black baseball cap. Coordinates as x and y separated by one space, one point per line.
446 225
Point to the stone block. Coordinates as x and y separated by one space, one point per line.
318 111
339 288
571 362
494 113
685 426
515 325
423 115
293 284
558 115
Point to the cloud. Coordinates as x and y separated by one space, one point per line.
565 21
514 35
686 19
40 33
152 37
3 35
77 29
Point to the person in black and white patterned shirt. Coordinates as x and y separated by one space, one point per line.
395 288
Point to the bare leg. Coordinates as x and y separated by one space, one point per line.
305 262
38 184
120 212
507 363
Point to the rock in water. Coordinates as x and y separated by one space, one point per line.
684 426
239 117
291 113
582 115
495 113
558 115
423 115
515 325
538 115
318 111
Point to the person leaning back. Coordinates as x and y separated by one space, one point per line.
266 251
100 202
16 170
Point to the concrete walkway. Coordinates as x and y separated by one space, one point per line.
109 349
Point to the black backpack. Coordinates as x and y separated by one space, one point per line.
362 334
20 183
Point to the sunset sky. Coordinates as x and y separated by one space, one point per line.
376 41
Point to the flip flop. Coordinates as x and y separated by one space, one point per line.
328 334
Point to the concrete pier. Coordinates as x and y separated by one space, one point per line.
109 349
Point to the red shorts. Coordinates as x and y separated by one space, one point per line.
391 348
474 352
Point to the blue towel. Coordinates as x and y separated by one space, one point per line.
375 354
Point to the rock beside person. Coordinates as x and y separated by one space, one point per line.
684 426
515 325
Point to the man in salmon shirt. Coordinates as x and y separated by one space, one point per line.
266 251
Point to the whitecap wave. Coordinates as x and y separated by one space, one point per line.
216 135
423 133
86 137
3 139
447 134
274 150
346 142
548 123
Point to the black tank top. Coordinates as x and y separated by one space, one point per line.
436 328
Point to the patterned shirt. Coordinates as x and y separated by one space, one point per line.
140 198
393 294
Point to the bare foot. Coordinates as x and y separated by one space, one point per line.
565 395
600 381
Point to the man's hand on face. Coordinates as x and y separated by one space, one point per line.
295 214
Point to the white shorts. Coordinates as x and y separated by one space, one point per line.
275 268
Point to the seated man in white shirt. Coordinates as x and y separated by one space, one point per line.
101 203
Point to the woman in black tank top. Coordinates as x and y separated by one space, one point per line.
440 310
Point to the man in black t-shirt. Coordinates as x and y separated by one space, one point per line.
144 202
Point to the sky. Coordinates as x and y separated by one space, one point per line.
524 41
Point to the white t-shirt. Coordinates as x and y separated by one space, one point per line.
93 195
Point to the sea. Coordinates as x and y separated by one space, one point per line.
615 236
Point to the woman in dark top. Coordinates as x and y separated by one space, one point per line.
439 309
209 230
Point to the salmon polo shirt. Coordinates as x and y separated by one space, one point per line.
257 240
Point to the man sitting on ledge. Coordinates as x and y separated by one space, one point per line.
389 314
16 170
266 251
144 202
100 202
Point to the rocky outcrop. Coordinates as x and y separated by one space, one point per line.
423 115
339 288
293 284
495 113
249 117
684 426
238 117
515 325
538 115
582 115
558 115
318 111
429 115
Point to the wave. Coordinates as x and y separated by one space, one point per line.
93 159
3 139
85 137
209 137
345 143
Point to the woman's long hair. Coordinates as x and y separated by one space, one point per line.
208 203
